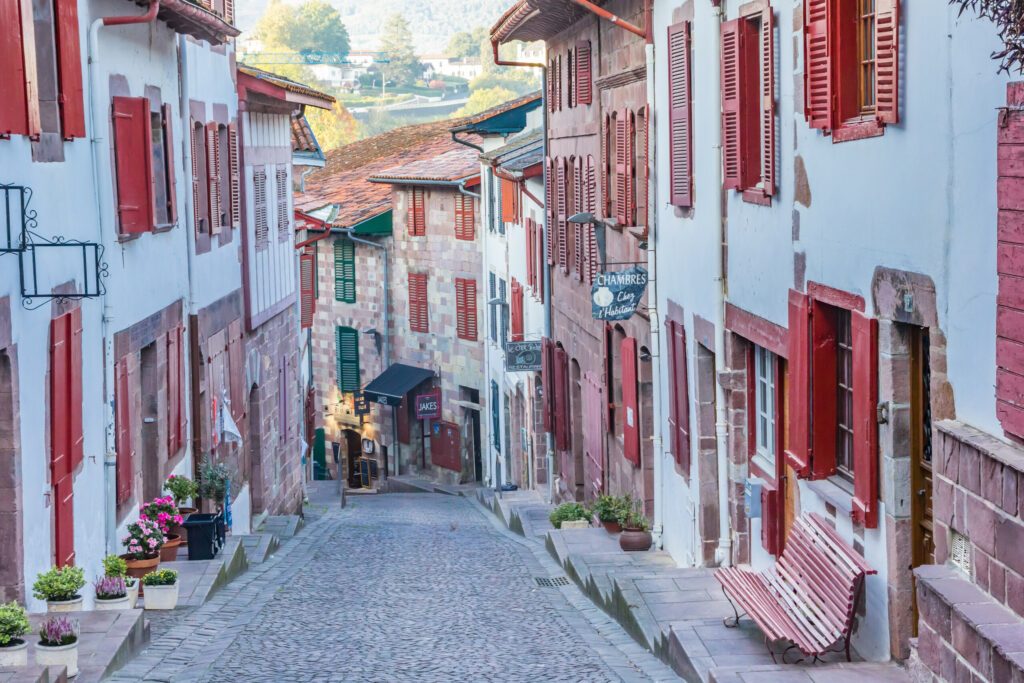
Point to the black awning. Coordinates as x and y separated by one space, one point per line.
391 386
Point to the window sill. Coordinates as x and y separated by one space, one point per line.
756 196
166 227
832 493
857 129
762 468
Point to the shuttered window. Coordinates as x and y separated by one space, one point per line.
503 309
492 293
584 73
562 209
69 69
346 349
66 433
235 177
417 212
495 416
345 271
531 256
551 204
226 166
579 192
625 168
176 390
163 169
307 288
509 195
261 219
123 426
14 105
465 308
200 198
284 214
419 320
561 401
465 217
133 165
680 119
516 304
851 73
679 396
630 401
547 367
213 169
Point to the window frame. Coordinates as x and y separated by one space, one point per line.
765 379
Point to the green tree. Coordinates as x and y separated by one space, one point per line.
396 43
277 26
467 43
482 100
313 26
335 127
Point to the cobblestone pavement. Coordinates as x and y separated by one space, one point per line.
400 587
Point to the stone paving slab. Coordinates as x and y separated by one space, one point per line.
33 674
282 526
832 673
199 579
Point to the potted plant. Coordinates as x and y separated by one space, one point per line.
182 489
111 593
608 509
213 485
570 516
60 587
116 567
143 544
13 625
636 533
58 644
164 512
161 588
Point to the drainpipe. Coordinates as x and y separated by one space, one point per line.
617 20
102 190
723 553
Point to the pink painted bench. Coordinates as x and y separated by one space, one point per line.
808 598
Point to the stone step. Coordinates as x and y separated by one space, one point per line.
199 579
33 674
821 673
282 526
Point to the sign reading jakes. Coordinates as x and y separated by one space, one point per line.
615 296
428 405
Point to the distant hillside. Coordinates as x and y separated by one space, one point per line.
432 21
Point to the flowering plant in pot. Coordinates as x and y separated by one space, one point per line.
181 489
165 513
143 544
636 533
566 515
116 568
111 593
13 625
161 589
58 644
608 509
60 587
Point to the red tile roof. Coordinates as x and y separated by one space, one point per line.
452 166
285 84
530 20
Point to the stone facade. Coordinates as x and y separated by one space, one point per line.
12 578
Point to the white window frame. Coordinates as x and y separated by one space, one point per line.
765 413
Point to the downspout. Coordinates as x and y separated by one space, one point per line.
723 553
110 448
467 143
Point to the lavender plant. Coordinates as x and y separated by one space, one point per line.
57 631
110 588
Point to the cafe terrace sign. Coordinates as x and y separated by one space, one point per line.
615 295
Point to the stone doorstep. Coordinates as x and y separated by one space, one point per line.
34 674
845 672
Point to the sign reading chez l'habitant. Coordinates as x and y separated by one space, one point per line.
615 295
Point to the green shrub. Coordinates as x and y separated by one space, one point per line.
59 584
568 512
161 577
611 508
13 623
181 488
114 566
632 515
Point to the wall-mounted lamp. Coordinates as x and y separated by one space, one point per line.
600 227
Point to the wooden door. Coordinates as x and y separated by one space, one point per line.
788 486
922 533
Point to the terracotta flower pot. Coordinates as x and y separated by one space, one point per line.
169 550
178 529
139 568
14 654
633 540
59 655
612 526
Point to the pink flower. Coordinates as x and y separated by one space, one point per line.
143 518
152 543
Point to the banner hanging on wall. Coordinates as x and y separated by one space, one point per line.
615 295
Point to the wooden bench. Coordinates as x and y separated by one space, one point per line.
808 598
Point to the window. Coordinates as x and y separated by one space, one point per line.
284 215
176 390
764 408
551 204
516 305
495 416
234 177
492 293
66 434
509 201
678 395
224 192
570 77
503 307
621 161
133 164
465 218
844 396
213 169
261 222
345 271
417 212
851 72
531 255
577 194
465 308
562 212
680 115
584 74
200 198
307 288
124 444
418 318
748 104
346 348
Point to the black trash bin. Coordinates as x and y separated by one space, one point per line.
202 535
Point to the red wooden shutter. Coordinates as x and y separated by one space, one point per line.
235 169
236 366
549 204
562 442
577 200
198 144
887 64
679 395
631 174
508 201
167 121
69 69
680 130
558 83
642 171
570 77
76 435
562 209
182 413
517 311
731 124
417 213
621 166
125 451
823 404
589 237
132 156
307 288
770 518
630 402
531 269
798 455
547 370
768 100
229 11
551 86
464 218
64 522
173 387
14 103
465 308
213 177
609 375
864 334
418 319
818 105
584 73
60 420
606 162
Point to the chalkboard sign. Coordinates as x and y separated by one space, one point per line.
522 356
364 473
374 473
362 404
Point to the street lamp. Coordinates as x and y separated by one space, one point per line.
600 227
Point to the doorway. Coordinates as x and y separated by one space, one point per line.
152 482
255 448
353 447
576 407
922 532
471 423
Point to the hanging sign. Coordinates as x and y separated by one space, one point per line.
522 356
362 404
428 405
616 295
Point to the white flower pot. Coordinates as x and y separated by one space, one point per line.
14 655
64 605
61 655
133 592
576 524
161 597
116 603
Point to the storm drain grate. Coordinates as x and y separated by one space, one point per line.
545 582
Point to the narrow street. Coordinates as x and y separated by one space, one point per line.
401 587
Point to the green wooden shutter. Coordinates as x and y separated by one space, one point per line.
345 271
347 350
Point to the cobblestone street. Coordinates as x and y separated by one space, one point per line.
402 587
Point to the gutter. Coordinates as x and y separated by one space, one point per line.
467 143
421 182
110 447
